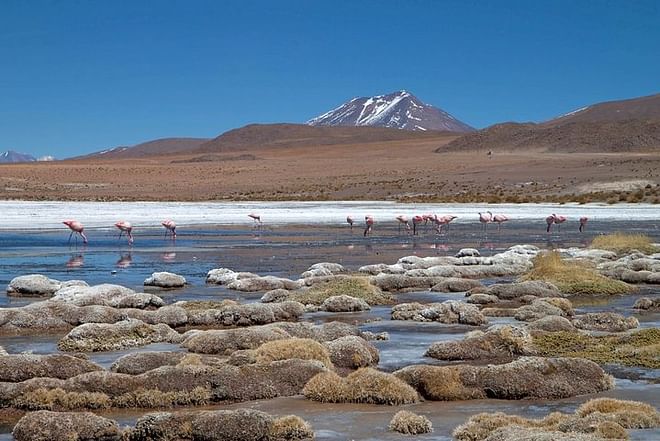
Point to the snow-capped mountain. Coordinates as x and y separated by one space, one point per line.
11 156
400 110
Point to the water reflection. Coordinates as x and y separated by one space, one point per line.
168 257
124 261
76 261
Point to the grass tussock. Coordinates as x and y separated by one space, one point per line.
641 348
290 427
410 423
59 399
366 385
358 287
606 418
623 243
574 278
197 305
153 398
302 348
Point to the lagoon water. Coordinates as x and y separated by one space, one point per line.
294 236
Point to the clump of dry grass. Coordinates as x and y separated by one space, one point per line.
575 277
639 348
410 423
197 305
366 385
290 427
302 348
59 399
358 287
606 418
152 398
622 243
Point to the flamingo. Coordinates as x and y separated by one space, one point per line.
170 227
499 218
256 218
369 222
403 220
442 221
77 228
417 220
549 220
583 223
125 227
485 218
559 219
350 221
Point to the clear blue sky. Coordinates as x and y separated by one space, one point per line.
78 76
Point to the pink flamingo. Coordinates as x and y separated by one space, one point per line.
256 218
583 223
369 222
415 221
549 220
125 227
559 219
442 221
77 228
350 221
170 227
499 218
403 220
485 218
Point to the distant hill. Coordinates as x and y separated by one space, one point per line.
398 110
615 126
255 136
156 147
11 156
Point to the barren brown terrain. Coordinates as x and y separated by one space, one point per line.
406 170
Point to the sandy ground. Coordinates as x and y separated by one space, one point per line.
394 170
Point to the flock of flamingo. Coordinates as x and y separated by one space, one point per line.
439 223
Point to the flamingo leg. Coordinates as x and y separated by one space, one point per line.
70 237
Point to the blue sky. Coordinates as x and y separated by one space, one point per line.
79 76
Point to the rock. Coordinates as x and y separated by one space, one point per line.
516 433
448 312
352 352
263 283
453 284
275 295
369 336
410 423
33 285
248 314
497 343
604 321
226 425
65 426
323 269
498 312
94 337
544 307
482 299
21 367
344 303
551 323
526 377
224 342
165 280
647 304
114 296
509 291
141 362
382 268
400 282
472 252
221 276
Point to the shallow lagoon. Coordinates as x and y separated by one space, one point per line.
285 246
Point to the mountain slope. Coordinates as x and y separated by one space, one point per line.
400 110
257 136
156 147
617 126
11 156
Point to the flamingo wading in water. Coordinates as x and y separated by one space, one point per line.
369 222
583 223
416 220
442 221
485 218
170 227
403 220
350 221
256 218
77 229
559 219
499 218
125 227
